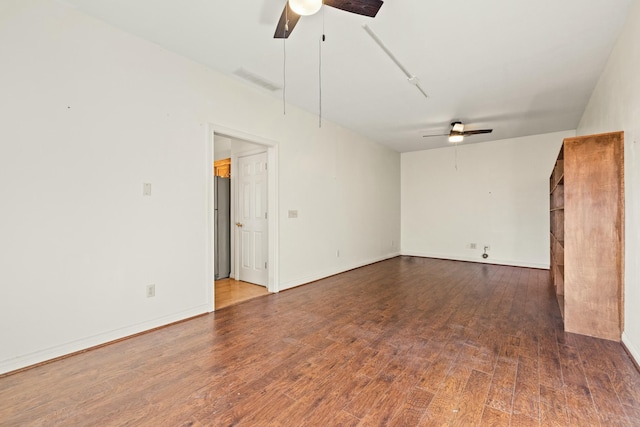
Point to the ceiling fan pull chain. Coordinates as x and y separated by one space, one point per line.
320 84
323 8
284 77
456 154
284 63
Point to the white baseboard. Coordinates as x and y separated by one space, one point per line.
342 269
489 260
41 356
332 272
631 347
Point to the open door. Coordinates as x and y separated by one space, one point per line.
252 219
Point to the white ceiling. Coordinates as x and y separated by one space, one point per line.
521 67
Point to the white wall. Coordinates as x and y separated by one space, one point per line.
222 147
239 146
225 147
498 196
89 114
614 106
348 201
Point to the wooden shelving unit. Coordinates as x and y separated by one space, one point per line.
556 204
586 203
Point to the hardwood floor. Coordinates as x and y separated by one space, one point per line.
404 342
230 291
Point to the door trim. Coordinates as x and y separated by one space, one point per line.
273 204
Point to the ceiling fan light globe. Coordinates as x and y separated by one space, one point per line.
305 7
456 138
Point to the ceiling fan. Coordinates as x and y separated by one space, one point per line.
458 133
296 8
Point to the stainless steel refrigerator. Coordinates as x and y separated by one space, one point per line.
222 233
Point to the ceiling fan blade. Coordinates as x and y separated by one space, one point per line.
440 134
476 132
368 8
281 30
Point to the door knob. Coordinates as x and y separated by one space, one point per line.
238 224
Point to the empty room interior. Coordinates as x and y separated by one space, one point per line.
285 212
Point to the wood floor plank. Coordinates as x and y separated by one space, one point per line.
351 386
407 341
503 382
572 371
440 410
275 404
580 407
526 398
549 362
341 419
521 420
553 405
413 408
492 417
472 400
401 380
385 408
633 414
230 291
605 398
445 404
602 356
435 374
361 404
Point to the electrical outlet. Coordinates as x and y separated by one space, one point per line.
146 188
473 246
151 291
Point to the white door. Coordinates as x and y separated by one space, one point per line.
251 218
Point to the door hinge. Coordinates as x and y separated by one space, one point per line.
265 265
265 215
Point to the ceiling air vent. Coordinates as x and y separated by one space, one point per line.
257 80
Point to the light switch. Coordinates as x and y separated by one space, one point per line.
146 189
293 214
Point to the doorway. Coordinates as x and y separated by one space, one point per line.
241 149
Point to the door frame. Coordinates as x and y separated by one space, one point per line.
272 203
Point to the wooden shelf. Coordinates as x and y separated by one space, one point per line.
558 240
556 198
561 304
556 221
587 276
557 175
556 184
